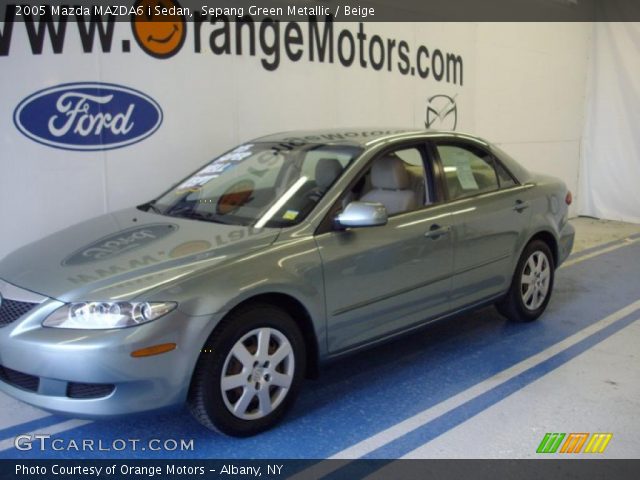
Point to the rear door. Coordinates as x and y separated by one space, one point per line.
489 214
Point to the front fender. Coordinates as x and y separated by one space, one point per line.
290 267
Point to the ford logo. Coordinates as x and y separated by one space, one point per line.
119 243
88 116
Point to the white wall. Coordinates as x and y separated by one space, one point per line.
610 168
523 88
530 93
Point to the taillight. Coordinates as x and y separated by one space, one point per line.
568 199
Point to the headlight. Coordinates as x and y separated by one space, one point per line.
105 315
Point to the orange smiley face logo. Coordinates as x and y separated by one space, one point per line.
161 29
235 196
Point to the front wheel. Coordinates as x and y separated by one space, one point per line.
249 372
531 285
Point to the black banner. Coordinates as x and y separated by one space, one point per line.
313 469
340 11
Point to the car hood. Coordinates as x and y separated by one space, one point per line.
124 254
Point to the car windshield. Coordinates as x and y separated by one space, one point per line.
259 184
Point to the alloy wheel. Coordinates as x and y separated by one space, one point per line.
535 280
257 373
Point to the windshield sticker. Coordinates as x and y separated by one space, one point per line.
290 215
467 180
237 154
215 169
193 184
465 175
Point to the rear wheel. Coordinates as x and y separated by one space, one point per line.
249 373
531 285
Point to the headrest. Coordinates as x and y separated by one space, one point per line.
389 173
327 170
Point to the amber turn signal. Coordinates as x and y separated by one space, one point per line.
154 350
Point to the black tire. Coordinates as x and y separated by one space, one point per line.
205 399
512 305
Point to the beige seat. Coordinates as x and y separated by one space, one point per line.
391 185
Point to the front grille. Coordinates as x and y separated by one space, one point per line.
89 390
19 379
12 310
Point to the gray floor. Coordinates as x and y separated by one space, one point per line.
591 232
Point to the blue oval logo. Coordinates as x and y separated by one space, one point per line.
88 116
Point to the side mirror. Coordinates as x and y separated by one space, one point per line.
362 214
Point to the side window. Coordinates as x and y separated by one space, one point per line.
506 180
396 179
467 171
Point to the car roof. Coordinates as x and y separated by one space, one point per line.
354 136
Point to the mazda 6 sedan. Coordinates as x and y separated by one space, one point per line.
286 252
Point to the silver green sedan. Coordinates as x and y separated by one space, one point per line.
288 251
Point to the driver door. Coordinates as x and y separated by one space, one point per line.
386 279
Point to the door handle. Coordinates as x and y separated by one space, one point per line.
436 231
520 206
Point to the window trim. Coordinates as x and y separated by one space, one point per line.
497 156
516 182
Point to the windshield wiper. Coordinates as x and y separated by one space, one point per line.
194 215
150 206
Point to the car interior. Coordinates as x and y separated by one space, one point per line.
397 180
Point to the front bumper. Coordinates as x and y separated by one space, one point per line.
60 360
